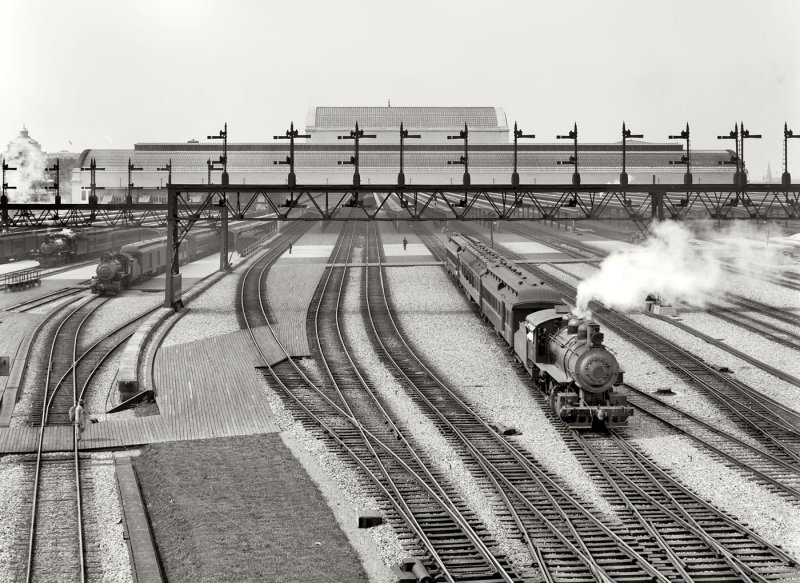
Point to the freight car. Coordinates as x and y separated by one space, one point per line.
142 260
564 355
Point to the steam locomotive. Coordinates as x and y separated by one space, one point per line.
68 246
564 355
142 260
52 247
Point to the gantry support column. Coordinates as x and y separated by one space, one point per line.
223 233
173 288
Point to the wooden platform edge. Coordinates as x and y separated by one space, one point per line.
145 566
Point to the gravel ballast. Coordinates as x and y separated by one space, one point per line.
777 355
108 530
420 430
768 515
212 313
756 378
441 325
14 491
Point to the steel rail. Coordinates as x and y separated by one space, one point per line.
754 325
760 474
39 458
682 517
46 299
544 482
326 427
455 514
734 562
333 433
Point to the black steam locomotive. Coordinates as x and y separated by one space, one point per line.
142 260
564 355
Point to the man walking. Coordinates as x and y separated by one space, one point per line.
77 415
405 243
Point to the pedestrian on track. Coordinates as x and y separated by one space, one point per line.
78 417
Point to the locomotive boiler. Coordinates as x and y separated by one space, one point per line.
568 360
114 273
57 248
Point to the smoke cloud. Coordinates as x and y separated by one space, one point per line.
30 164
673 265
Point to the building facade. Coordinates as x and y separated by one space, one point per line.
324 158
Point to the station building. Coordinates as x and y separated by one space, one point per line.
320 158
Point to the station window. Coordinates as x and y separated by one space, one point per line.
83 195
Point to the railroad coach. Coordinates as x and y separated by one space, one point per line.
509 295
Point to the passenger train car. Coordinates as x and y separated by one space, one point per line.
564 355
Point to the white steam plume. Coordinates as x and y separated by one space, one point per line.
30 164
667 264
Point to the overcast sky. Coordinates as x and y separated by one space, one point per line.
111 73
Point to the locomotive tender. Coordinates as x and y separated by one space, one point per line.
563 354
142 260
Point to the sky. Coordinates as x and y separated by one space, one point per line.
99 74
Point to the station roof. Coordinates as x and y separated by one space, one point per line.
415 118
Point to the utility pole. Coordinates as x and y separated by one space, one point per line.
131 168
786 178
626 133
573 135
743 135
168 169
517 134
685 159
355 135
4 195
291 134
733 135
223 135
401 177
55 169
463 135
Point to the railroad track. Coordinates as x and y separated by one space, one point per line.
732 552
780 314
56 550
56 544
45 299
762 418
415 499
774 474
754 325
700 539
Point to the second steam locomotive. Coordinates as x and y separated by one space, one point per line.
141 260
564 355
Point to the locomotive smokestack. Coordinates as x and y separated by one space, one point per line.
593 333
